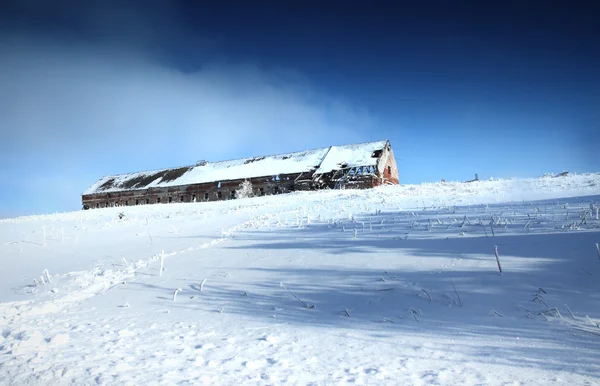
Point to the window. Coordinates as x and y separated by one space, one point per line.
219 185
193 198
262 191
158 200
389 170
147 201
137 202
181 198
232 194
219 195
275 189
126 203
170 199
97 205
206 196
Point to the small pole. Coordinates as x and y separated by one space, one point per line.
47 275
162 262
497 258
177 290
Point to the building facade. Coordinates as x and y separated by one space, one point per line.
357 166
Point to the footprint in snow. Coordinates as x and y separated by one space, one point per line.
206 346
255 364
270 339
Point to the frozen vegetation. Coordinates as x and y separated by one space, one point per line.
491 282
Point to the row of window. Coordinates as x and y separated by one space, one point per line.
232 195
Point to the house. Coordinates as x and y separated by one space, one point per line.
358 166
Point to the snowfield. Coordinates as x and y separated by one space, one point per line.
394 285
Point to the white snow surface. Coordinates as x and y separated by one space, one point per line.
347 156
393 285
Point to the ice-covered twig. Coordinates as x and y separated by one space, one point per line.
584 218
598 250
464 221
538 298
148 227
456 292
586 271
570 312
426 293
47 276
592 322
497 258
162 262
497 313
415 313
202 284
177 290
556 311
346 312
306 305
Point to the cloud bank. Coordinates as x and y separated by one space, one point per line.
75 110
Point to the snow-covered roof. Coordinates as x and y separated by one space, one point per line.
298 162
347 156
322 160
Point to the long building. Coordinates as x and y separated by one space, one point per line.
357 166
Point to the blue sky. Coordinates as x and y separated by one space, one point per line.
96 88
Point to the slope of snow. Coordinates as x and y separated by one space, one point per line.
394 285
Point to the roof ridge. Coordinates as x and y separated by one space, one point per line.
234 159
310 153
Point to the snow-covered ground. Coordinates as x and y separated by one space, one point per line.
395 285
